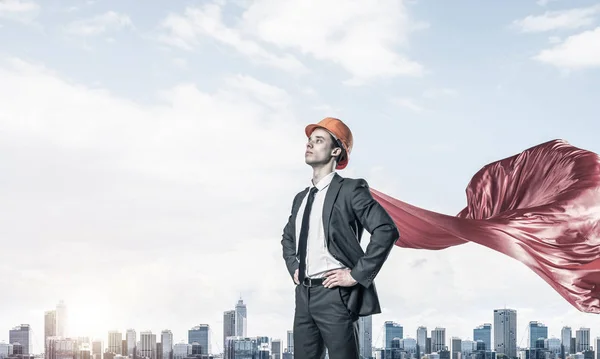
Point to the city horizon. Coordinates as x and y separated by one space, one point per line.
217 340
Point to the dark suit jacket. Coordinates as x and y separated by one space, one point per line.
348 209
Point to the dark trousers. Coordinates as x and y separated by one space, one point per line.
322 320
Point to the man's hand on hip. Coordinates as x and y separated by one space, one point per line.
296 277
338 277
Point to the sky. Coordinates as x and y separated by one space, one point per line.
150 154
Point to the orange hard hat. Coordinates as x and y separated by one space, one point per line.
340 132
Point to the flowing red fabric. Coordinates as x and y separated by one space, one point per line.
540 207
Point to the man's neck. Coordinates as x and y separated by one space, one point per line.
321 172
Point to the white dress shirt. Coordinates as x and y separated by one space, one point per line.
318 258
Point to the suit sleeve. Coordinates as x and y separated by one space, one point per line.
380 225
289 245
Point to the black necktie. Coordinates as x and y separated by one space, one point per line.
304 234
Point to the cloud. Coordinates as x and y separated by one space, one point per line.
100 24
408 103
362 38
559 20
439 92
579 51
544 2
417 105
19 10
185 31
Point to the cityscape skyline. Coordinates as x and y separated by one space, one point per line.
499 330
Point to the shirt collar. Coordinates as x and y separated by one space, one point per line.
324 182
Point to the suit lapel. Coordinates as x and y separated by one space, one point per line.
332 193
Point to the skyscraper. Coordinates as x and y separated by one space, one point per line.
290 341
115 342
505 332
536 331
97 349
21 335
49 329
392 330
565 340
276 349
228 325
240 318
438 339
421 341
61 320
147 347
597 347
456 348
582 339
166 339
365 336
484 333
200 334
131 337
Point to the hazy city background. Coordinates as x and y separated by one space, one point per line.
497 339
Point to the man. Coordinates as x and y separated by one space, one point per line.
322 252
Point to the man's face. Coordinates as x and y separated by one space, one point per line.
320 148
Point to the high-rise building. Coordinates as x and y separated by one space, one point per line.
597 347
5 350
365 336
421 341
456 348
131 338
484 333
166 339
62 348
97 349
537 331
438 339
582 339
147 347
565 340
467 347
182 350
241 316
505 332
392 330
275 349
200 335
553 346
49 329
115 342
290 341
409 345
228 325
21 335
62 320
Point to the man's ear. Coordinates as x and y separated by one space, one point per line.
336 152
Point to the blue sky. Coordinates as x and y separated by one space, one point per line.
149 132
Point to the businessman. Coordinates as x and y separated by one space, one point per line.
322 251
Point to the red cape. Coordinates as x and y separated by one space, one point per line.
540 207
